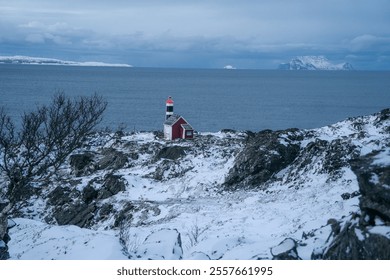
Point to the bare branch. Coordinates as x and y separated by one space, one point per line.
47 137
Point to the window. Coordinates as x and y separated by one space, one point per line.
188 132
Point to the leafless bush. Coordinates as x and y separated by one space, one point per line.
47 136
195 233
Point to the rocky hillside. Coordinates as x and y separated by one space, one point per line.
314 63
292 194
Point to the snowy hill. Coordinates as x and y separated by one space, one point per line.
230 195
313 63
51 61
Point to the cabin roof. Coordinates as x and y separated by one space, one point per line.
172 119
187 126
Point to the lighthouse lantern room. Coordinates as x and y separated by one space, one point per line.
175 126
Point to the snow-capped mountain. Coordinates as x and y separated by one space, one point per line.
292 194
51 61
313 63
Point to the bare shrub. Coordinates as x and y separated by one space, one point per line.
47 136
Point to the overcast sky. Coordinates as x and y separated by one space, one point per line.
196 33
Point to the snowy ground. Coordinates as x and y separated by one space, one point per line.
33 240
212 223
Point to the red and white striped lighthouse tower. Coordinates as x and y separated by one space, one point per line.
169 111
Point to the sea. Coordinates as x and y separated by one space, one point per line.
209 99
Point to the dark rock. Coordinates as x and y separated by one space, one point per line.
104 211
82 164
355 241
336 154
4 227
6 238
3 204
382 116
112 159
346 196
367 246
69 209
60 196
171 152
112 185
4 254
286 250
124 215
374 179
78 214
264 155
89 194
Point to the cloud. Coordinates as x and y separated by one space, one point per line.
35 38
370 42
210 30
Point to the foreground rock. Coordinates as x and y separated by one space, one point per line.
286 250
365 234
367 238
4 227
265 154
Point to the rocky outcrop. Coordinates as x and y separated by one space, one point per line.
363 240
112 159
68 208
4 237
82 164
366 235
355 242
171 152
78 214
286 250
265 154
112 185
373 174
74 207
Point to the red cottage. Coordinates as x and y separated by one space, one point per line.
175 126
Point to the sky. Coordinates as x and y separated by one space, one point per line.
250 34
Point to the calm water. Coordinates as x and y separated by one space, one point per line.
209 100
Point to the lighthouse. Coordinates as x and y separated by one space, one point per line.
175 126
169 110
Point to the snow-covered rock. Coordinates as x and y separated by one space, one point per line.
286 250
314 63
227 195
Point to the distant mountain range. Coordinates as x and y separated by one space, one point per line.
314 63
52 61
